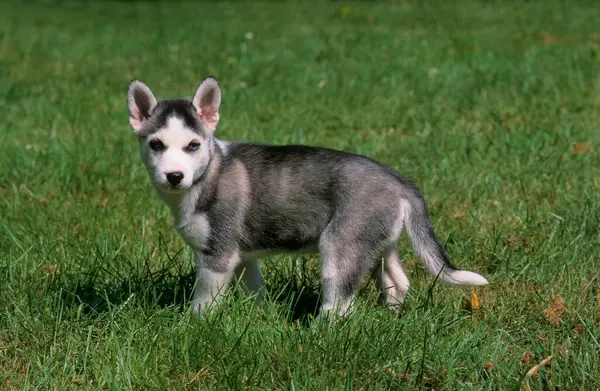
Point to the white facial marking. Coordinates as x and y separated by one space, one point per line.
175 156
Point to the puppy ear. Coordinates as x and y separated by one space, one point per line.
207 101
141 102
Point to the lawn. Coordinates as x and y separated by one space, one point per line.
491 107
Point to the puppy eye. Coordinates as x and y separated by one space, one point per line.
193 146
156 145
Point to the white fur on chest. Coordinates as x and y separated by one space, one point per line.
193 227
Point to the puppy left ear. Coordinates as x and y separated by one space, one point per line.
207 101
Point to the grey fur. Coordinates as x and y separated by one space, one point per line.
253 199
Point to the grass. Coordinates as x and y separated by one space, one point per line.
492 108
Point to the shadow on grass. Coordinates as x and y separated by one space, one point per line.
101 289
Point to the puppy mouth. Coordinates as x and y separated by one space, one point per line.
169 188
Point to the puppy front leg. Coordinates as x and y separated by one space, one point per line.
213 273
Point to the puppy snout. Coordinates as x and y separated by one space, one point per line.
175 177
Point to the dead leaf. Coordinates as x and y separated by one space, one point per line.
470 301
527 358
474 301
390 372
562 349
556 310
42 200
516 239
488 365
542 336
78 380
545 363
549 39
511 240
51 269
84 168
406 375
458 214
204 373
581 148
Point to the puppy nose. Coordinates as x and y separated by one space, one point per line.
175 177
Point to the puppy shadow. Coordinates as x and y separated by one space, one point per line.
301 303
100 291
97 297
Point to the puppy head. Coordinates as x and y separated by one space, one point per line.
175 135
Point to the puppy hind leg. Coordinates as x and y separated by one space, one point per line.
342 272
391 279
339 289
348 250
251 280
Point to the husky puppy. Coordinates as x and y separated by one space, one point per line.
234 202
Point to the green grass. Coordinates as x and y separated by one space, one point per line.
489 107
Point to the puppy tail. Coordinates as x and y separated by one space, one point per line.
428 248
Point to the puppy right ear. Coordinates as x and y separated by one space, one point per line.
207 100
141 102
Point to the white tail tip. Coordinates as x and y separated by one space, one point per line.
464 277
